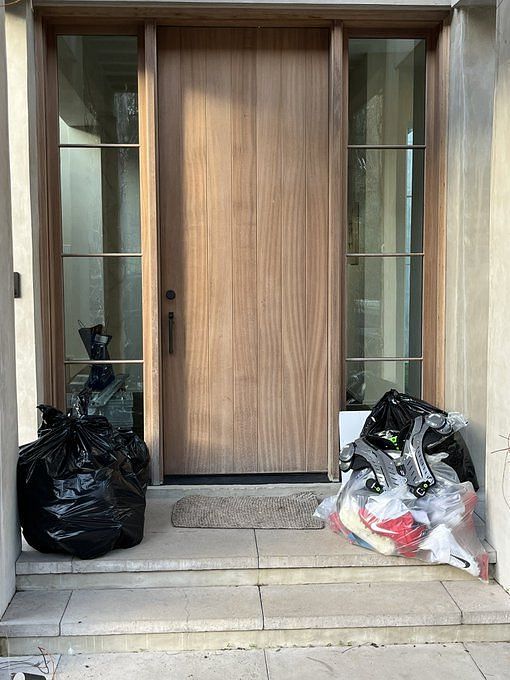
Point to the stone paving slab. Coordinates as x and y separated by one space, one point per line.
492 658
231 665
33 562
471 661
162 610
358 605
480 602
180 549
158 515
279 548
400 662
34 613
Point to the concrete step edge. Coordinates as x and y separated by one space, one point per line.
257 639
233 577
27 564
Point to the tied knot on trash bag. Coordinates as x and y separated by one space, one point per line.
82 484
412 489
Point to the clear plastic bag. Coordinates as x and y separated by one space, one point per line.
436 528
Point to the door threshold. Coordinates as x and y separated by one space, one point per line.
247 480
243 485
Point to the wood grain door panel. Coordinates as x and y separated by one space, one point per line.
243 139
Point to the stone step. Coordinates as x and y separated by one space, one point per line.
221 617
170 556
319 557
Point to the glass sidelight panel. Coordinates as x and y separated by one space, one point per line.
384 307
98 89
367 381
385 200
100 199
386 154
104 291
100 223
117 392
386 91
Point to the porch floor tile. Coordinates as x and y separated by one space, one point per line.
34 614
360 605
180 549
231 665
158 515
33 562
283 548
492 658
480 602
412 662
162 610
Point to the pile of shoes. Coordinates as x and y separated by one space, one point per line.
412 489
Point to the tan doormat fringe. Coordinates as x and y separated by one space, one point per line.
247 512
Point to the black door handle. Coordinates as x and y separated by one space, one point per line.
170 332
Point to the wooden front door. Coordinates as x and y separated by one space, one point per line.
243 143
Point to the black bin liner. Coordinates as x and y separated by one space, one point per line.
81 486
393 415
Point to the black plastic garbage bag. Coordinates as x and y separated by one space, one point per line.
391 419
137 452
81 486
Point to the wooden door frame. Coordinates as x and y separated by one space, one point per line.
432 25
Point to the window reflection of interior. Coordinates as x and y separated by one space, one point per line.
385 217
100 217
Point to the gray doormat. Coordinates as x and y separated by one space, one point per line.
247 512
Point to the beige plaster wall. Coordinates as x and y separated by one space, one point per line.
472 70
9 534
22 142
498 378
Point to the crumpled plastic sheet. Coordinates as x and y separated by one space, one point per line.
82 485
437 528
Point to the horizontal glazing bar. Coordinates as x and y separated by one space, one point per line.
99 146
386 146
101 362
384 359
384 254
126 254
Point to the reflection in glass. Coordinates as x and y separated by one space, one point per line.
386 91
121 401
105 291
100 199
367 381
98 88
384 306
385 200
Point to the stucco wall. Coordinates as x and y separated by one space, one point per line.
498 378
9 535
472 72
22 143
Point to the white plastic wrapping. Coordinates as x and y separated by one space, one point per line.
436 528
